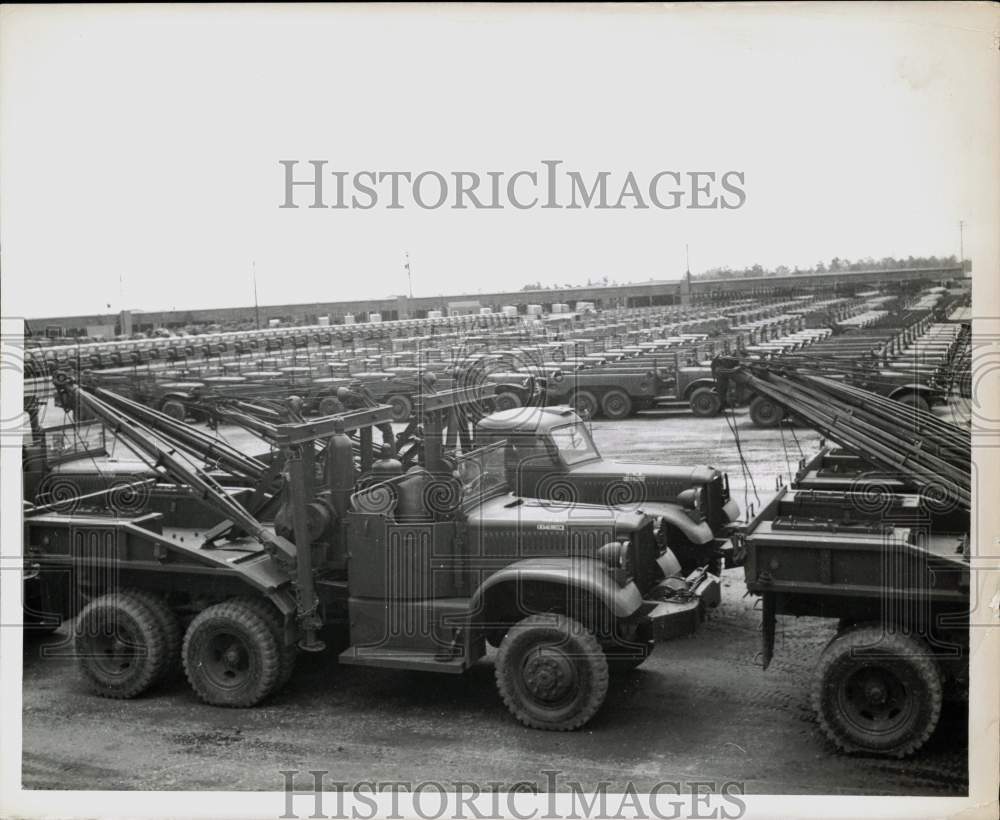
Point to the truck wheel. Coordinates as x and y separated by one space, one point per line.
765 413
705 402
914 400
402 407
289 653
551 672
330 406
585 404
616 405
878 692
175 409
506 401
170 627
231 657
120 647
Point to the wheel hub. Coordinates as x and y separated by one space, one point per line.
228 662
231 657
876 700
113 654
875 693
548 675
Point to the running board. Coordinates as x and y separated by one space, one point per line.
401 659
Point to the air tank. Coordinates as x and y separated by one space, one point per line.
387 465
340 471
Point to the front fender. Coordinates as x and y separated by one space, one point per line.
579 575
697 532
695 385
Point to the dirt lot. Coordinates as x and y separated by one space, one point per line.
700 709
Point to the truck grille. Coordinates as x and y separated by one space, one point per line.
645 551
714 499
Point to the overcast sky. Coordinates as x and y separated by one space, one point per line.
141 146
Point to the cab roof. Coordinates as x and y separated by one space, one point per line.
528 419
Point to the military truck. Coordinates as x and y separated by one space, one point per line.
874 534
424 568
551 455
895 576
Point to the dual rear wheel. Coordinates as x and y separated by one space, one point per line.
614 404
551 671
233 653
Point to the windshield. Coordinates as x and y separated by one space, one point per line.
574 443
482 471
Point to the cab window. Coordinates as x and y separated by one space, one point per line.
573 442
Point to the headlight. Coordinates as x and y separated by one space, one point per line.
615 554
689 498
612 554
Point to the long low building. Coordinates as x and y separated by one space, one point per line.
654 293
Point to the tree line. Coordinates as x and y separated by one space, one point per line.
835 264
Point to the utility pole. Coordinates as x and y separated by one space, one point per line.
409 274
961 243
256 307
687 263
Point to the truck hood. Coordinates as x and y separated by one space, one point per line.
652 482
524 514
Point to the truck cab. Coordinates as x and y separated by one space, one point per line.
550 455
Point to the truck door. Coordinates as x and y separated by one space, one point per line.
404 565
530 466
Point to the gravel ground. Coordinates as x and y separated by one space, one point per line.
700 709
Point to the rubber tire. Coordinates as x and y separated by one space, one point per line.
589 401
329 406
765 413
174 409
402 407
586 655
506 400
705 402
132 612
170 625
910 660
916 401
289 653
616 405
256 635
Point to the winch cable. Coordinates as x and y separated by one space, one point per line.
791 429
784 447
744 467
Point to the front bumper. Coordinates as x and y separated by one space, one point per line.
675 607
